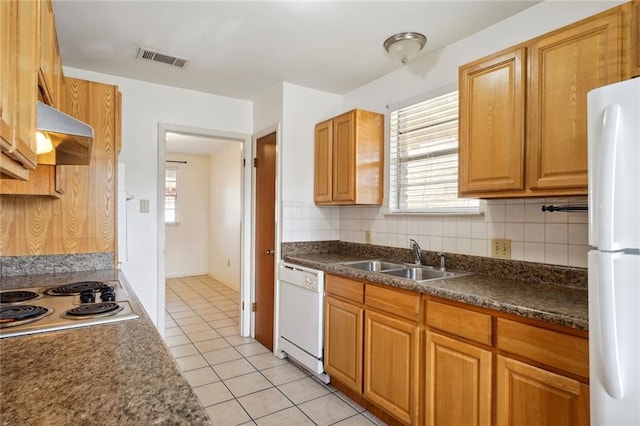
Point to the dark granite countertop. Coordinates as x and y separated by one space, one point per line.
110 374
558 304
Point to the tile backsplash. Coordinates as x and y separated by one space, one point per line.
557 238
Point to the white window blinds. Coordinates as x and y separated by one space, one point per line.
424 158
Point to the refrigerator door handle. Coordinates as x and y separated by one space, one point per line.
609 349
607 179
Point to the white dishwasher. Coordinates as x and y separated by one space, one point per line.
301 316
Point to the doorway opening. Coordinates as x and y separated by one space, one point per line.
204 213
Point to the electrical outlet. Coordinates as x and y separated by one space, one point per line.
501 248
144 206
367 237
228 263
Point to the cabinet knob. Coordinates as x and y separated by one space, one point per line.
269 252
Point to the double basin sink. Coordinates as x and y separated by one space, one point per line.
413 272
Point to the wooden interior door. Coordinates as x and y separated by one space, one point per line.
265 238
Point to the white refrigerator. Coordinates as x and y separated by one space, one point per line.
614 259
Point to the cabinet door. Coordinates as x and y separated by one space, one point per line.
391 365
458 383
50 73
7 58
26 84
43 180
343 342
492 131
528 395
323 162
565 65
344 158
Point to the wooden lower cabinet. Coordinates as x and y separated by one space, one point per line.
457 382
528 395
343 342
392 365
421 360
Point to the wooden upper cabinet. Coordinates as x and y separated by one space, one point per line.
20 43
635 39
564 66
492 132
50 77
323 165
540 86
344 152
349 159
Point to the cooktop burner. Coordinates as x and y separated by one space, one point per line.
18 296
61 306
76 288
11 316
93 310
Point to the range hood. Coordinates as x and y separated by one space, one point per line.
66 140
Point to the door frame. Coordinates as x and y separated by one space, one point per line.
246 205
276 128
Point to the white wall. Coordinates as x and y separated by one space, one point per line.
302 219
186 243
225 208
144 105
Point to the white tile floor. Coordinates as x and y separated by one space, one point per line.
239 381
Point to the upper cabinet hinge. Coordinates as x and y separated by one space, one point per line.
253 307
255 162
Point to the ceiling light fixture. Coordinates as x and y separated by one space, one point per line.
404 46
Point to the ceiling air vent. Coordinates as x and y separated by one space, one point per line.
151 55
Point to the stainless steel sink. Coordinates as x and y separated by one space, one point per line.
423 274
374 265
404 270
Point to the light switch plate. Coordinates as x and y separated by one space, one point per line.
144 206
501 248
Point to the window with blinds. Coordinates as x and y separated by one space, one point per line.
171 196
424 158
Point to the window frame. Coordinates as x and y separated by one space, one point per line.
473 207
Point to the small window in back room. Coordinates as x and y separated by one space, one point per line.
171 196
424 158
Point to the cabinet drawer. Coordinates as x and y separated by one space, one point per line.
461 322
563 351
344 288
402 303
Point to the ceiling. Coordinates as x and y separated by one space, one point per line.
243 49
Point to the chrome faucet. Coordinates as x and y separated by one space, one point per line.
417 251
442 260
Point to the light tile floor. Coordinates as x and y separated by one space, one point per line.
239 381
